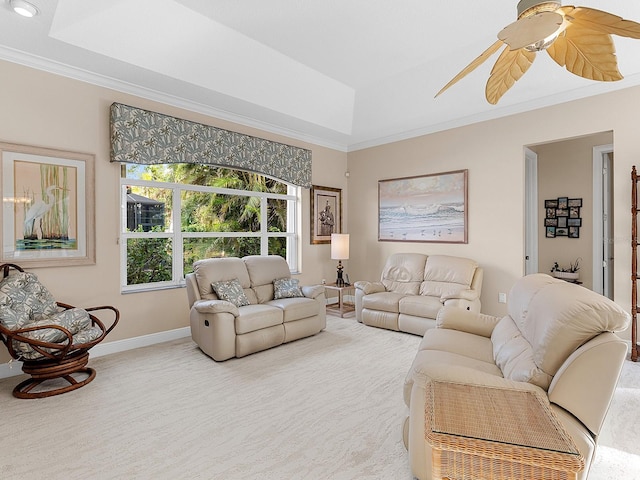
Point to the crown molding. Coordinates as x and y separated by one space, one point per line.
57 68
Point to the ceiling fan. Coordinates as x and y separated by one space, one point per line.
577 38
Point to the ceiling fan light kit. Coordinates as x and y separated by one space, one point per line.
576 38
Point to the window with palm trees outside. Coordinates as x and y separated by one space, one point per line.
175 214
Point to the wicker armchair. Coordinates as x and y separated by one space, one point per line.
52 339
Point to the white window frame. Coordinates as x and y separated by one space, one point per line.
293 198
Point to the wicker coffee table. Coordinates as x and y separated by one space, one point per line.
485 433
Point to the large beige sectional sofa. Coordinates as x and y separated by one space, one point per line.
260 320
414 287
556 341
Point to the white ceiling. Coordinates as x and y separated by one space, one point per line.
347 74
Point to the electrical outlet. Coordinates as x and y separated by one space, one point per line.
502 297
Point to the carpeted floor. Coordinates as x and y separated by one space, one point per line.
324 407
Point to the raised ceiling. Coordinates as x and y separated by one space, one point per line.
347 74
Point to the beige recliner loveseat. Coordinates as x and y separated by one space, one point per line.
556 341
414 287
264 306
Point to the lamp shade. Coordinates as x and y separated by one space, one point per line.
339 246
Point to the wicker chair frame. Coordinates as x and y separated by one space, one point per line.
60 361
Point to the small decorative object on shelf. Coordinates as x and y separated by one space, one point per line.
569 273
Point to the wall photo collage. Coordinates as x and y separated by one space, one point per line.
562 217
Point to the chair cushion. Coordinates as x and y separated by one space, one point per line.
24 299
75 320
286 288
231 291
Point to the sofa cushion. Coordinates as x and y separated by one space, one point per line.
257 317
554 327
295 308
384 301
446 276
286 288
404 272
212 270
231 291
420 306
514 355
263 270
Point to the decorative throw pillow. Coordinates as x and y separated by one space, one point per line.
286 288
231 291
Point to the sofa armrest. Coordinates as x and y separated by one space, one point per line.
312 291
369 287
470 376
455 318
216 306
467 294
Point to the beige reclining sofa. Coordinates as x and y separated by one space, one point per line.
244 305
414 287
555 341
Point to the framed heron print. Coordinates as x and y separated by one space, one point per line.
426 208
47 206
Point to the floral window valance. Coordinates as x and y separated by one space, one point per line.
144 137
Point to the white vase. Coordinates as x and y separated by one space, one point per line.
566 275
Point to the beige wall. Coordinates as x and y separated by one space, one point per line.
493 152
565 169
46 110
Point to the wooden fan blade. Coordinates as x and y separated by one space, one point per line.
510 66
532 29
586 53
473 65
600 21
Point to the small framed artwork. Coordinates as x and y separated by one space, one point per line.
562 217
426 208
563 203
48 207
326 213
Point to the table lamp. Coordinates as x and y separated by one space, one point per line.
340 251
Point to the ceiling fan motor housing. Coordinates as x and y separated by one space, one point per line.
527 8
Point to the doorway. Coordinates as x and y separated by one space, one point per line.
603 219
580 169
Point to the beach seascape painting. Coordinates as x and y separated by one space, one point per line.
427 208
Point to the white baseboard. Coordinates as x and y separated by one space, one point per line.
15 368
